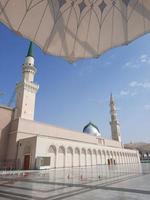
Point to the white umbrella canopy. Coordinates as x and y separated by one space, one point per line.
76 29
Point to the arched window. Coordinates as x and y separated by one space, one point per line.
77 150
94 151
61 149
83 151
70 150
52 149
99 152
89 151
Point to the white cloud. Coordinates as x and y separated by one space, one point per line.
131 65
124 92
143 60
145 84
147 107
138 62
128 64
143 56
133 84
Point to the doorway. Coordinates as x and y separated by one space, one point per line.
26 162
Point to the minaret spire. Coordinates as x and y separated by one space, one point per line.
30 51
111 98
115 126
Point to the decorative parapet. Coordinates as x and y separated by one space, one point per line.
32 87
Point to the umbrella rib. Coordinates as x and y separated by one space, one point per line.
106 15
64 39
76 14
88 30
26 4
92 50
3 7
141 9
99 22
145 10
53 9
6 17
89 48
123 16
75 37
101 26
24 15
49 39
84 16
133 9
112 26
124 22
87 36
41 1
41 20
143 15
99 36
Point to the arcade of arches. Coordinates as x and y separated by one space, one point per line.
45 152
74 157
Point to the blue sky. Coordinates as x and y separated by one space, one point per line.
71 95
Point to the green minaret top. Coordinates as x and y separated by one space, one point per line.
30 52
111 98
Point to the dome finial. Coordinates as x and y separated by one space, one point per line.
30 51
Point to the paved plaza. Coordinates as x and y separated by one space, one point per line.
120 182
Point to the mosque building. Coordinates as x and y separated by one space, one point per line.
29 144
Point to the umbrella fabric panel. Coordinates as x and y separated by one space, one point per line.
77 29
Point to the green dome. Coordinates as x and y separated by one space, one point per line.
91 129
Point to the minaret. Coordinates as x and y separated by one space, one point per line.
115 126
26 90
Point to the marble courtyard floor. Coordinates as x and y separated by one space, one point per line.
120 182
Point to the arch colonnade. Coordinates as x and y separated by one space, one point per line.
61 156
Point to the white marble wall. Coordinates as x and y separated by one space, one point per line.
65 153
71 149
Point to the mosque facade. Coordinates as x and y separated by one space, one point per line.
29 144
